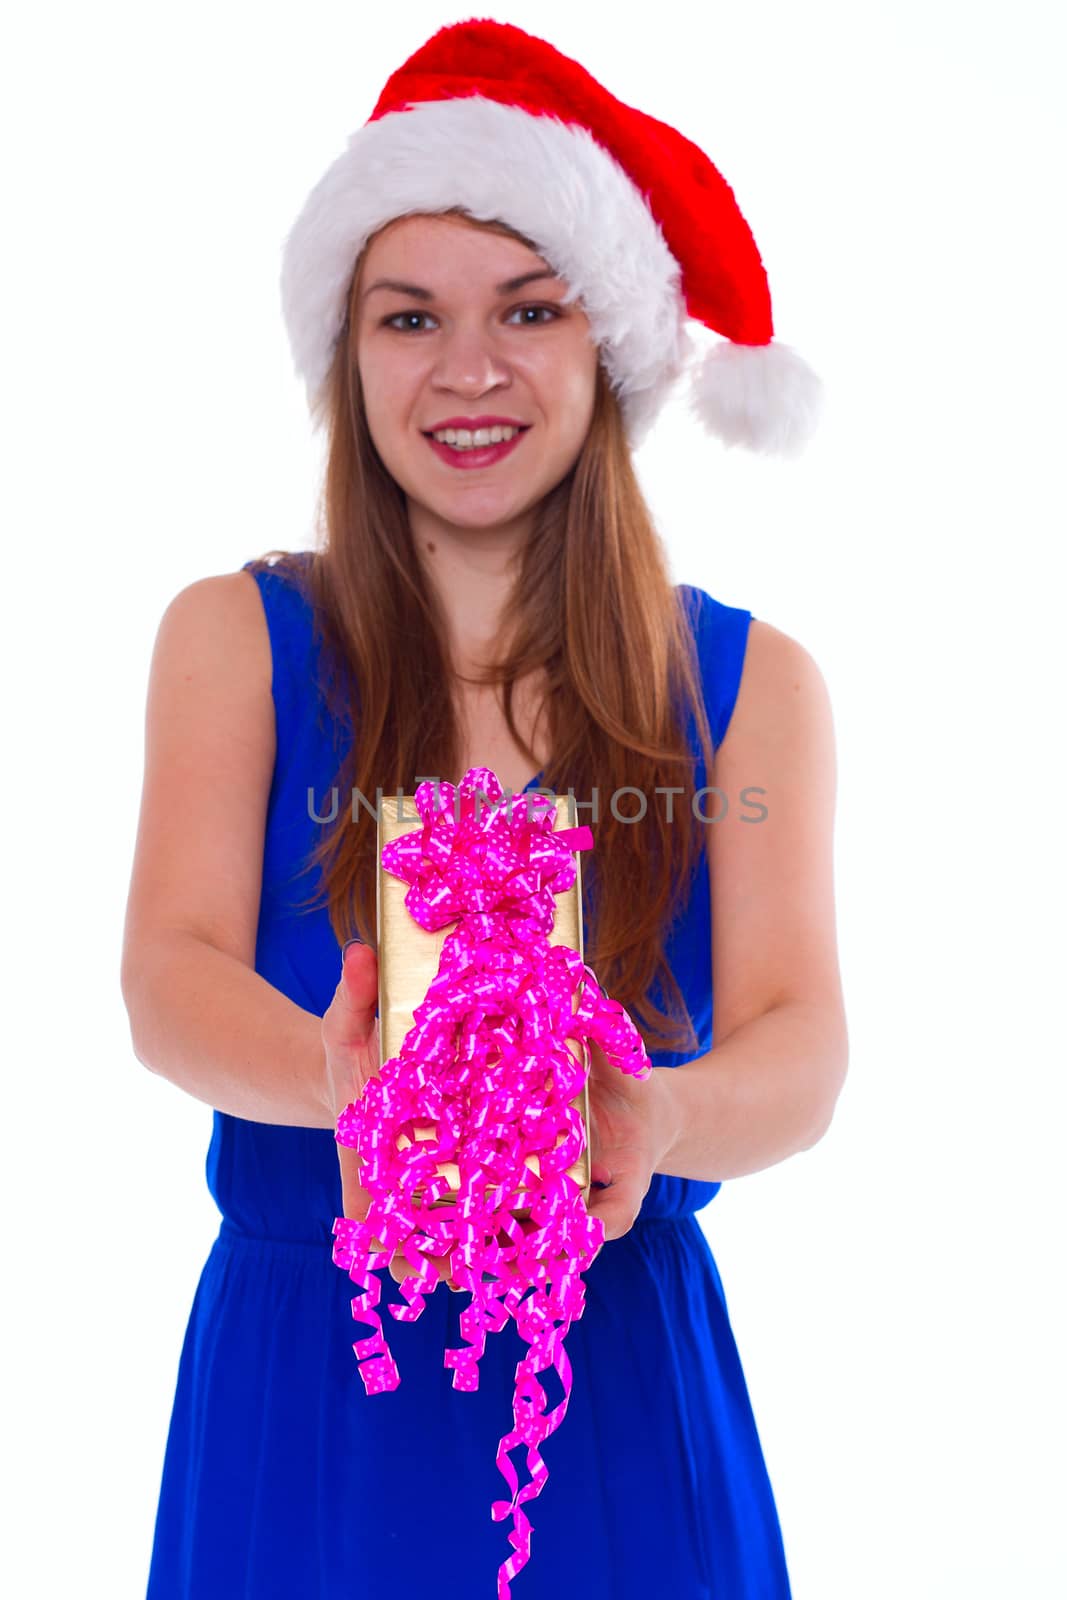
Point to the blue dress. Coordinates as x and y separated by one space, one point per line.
284 1480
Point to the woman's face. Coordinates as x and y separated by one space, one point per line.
468 346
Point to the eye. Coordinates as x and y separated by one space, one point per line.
389 322
554 314
552 310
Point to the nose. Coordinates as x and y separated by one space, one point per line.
469 363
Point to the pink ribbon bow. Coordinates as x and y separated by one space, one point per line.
487 1061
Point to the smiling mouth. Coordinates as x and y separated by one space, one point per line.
476 456
522 428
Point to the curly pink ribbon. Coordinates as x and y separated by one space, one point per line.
487 1061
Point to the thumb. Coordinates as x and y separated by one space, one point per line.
355 1201
617 1205
350 1019
349 1024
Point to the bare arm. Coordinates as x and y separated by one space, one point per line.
219 1031
768 1086
200 1015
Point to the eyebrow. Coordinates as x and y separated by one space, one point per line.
509 286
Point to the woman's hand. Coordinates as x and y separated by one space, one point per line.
630 1129
630 1125
629 1133
350 1037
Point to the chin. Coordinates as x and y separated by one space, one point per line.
462 513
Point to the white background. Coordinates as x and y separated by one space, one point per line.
896 1291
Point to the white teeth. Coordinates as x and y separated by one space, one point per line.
464 439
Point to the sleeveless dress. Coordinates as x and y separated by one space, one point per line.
284 1480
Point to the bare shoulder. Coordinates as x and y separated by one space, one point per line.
212 658
225 609
782 693
771 851
209 753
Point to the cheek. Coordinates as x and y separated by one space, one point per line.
564 382
371 373
576 387
387 392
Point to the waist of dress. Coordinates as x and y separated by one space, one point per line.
669 1201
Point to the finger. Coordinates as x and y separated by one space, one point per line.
355 1201
617 1206
400 1267
350 1017
359 970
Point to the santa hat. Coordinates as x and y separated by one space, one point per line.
645 230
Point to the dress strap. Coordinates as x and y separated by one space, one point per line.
287 610
722 636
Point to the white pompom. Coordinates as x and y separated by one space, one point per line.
764 397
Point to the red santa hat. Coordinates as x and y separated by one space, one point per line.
635 217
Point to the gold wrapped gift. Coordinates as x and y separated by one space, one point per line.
408 958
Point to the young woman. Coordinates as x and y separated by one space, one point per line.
499 601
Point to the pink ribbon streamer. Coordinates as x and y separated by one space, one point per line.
487 1061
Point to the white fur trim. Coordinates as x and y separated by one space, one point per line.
551 181
764 397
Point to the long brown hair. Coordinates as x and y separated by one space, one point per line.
593 609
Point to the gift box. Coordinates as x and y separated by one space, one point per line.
482 982
409 957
